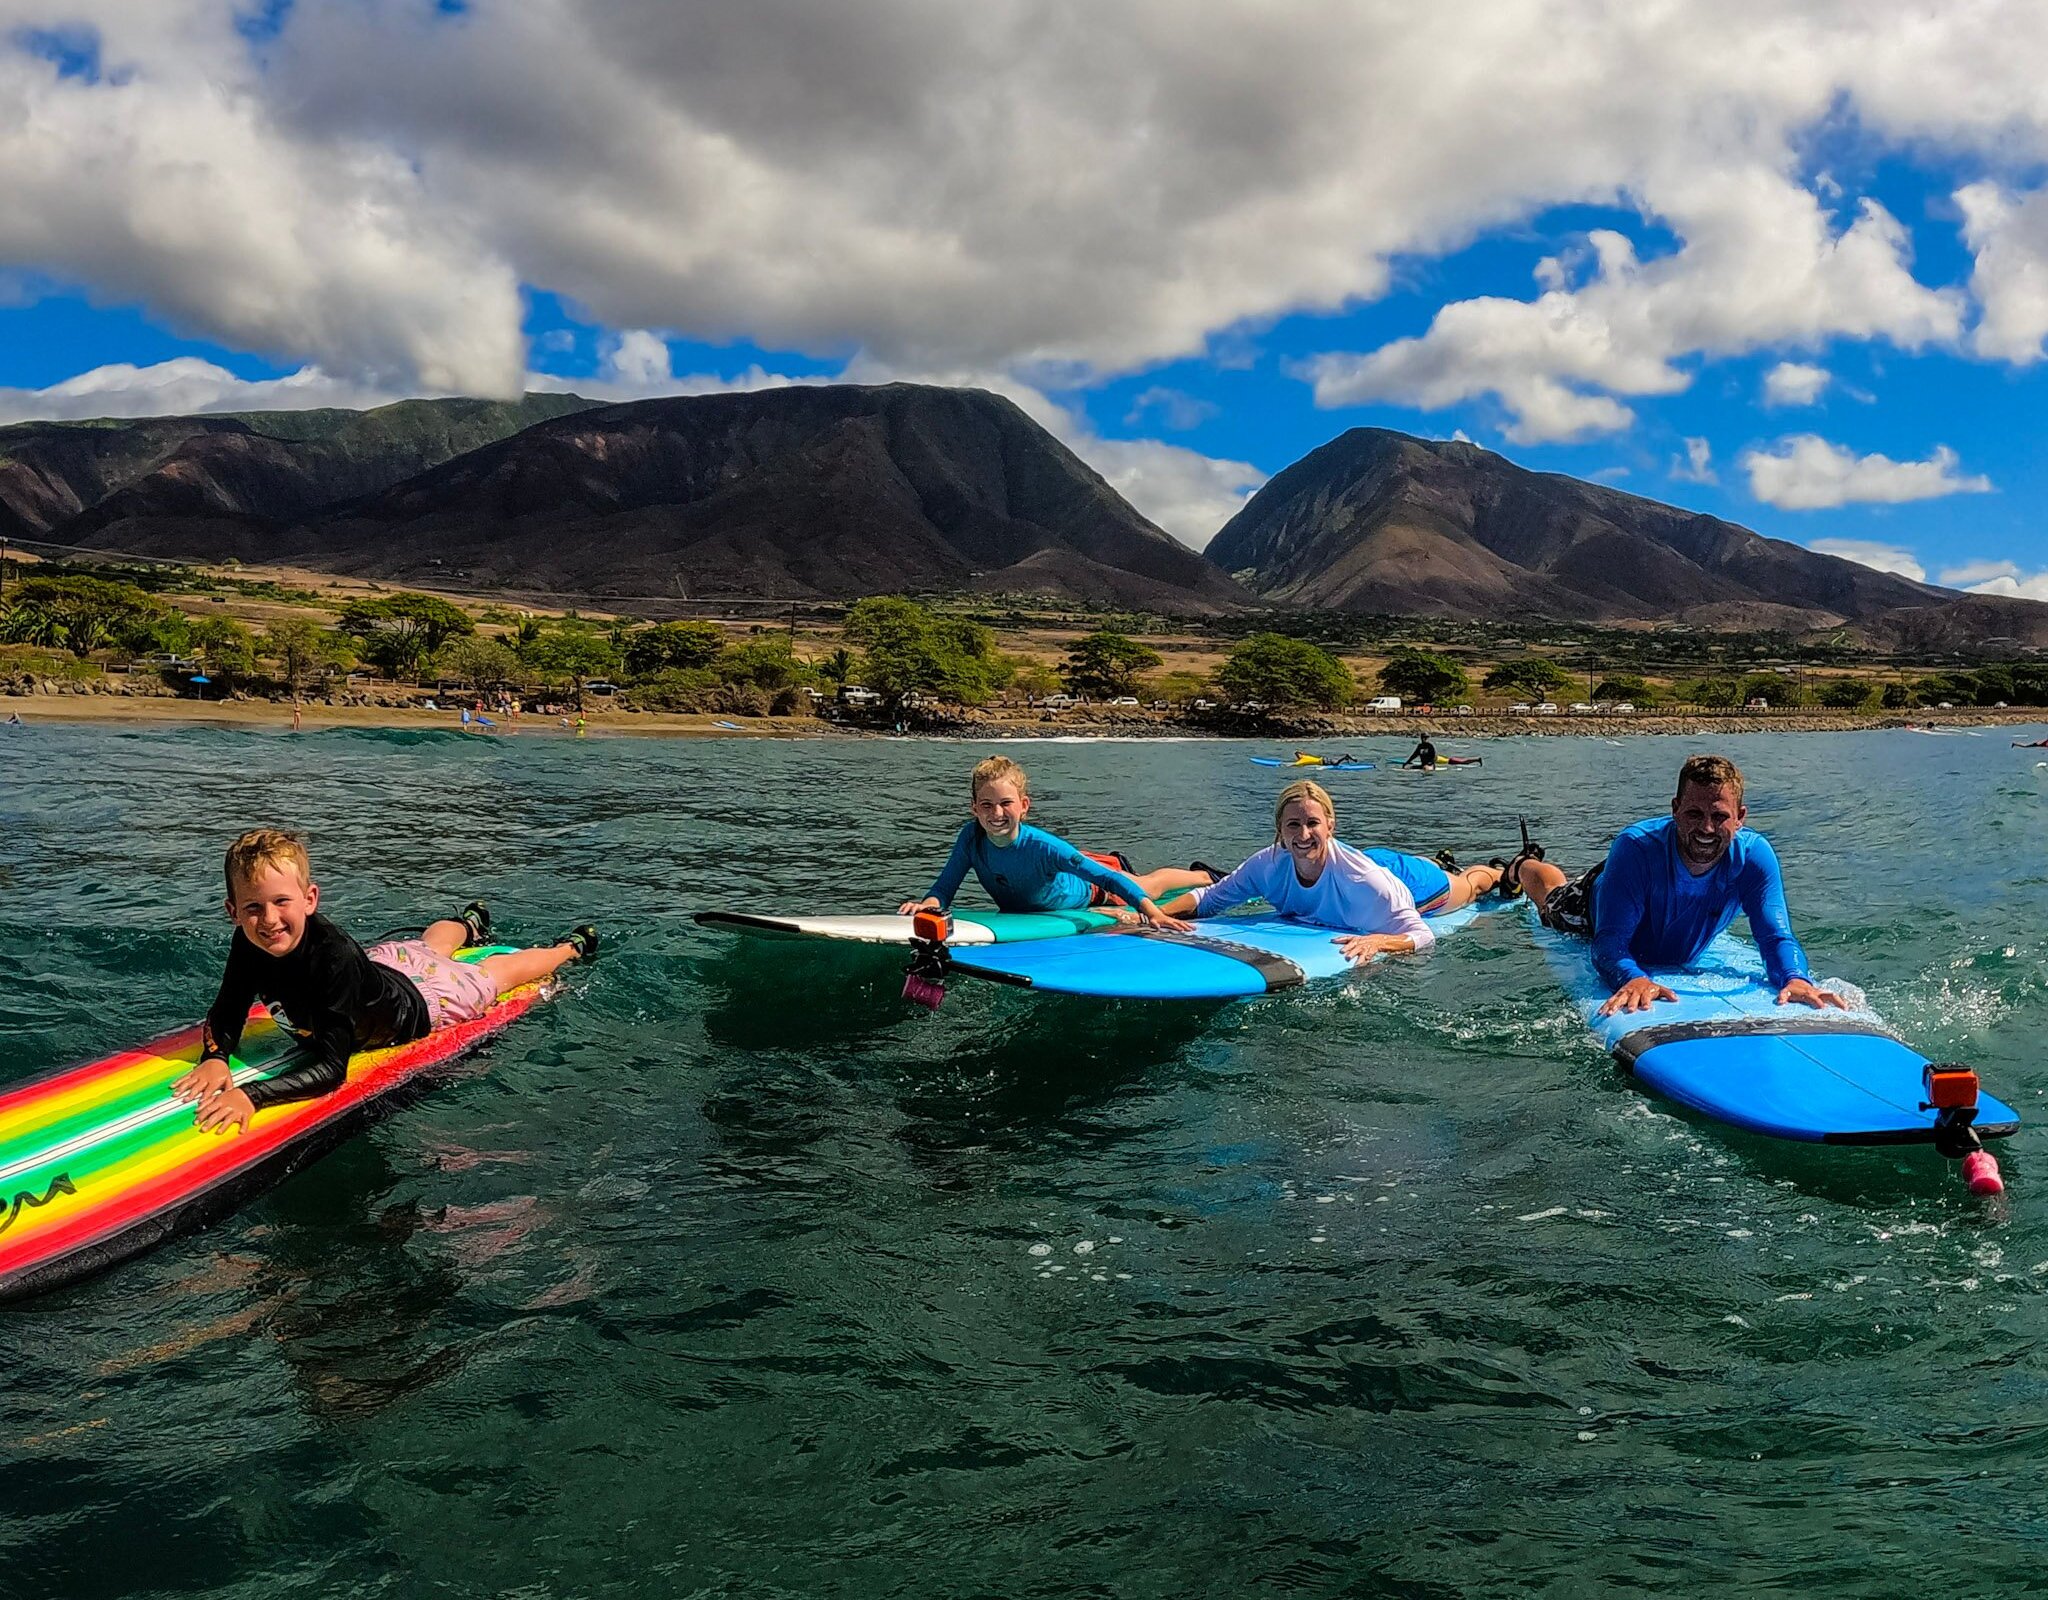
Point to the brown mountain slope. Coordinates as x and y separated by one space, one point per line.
92 483
826 491
1379 521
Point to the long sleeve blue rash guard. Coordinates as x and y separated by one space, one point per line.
1039 872
1650 911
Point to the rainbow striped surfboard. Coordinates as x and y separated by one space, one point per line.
100 1162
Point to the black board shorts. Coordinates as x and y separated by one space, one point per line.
1569 907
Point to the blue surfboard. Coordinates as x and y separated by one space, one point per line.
1727 1050
1229 958
1313 766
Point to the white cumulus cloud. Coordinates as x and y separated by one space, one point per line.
1871 553
1997 577
1795 383
1808 473
1762 264
363 185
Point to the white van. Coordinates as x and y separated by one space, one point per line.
1385 702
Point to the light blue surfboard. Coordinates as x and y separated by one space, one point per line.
1313 766
1727 1050
1229 958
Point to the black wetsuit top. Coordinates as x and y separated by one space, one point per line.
332 996
1425 753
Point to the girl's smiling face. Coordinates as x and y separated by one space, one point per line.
271 906
1000 806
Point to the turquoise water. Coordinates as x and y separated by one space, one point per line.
727 1274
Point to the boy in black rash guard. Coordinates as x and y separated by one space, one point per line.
334 995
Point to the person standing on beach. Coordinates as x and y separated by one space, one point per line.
1668 888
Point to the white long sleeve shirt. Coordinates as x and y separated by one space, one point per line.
1355 894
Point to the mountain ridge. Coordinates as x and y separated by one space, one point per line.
1380 521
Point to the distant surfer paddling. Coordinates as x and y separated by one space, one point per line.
1423 755
1027 869
1374 900
1667 889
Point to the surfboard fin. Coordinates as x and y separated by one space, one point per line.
924 983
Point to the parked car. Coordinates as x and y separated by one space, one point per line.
1125 700
1464 711
1757 705
1383 702
1058 702
1626 708
1945 705
1201 705
1521 708
1547 709
1579 708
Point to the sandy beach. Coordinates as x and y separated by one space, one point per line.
603 720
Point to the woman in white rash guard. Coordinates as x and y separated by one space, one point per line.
1308 874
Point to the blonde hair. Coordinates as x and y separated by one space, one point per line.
1304 789
994 769
1709 772
266 847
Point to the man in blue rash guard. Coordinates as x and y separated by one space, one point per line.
1669 886
1027 869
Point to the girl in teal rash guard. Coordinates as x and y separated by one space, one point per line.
1027 869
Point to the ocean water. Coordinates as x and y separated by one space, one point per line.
727 1274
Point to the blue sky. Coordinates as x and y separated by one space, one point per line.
1610 275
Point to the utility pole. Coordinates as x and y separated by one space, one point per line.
3 567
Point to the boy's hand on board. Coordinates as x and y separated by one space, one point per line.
228 1109
911 908
210 1077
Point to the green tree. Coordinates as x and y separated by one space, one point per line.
302 648
1710 692
1424 677
766 663
1774 691
1847 694
906 650
573 653
81 614
1636 691
1989 685
479 661
1939 686
2029 685
673 647
226 647
400 632
1035 680
1896 697
1108 663
1531 677
1283 673
836 666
